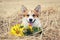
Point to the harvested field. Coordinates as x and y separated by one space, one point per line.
49 16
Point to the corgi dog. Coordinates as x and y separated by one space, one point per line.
31 16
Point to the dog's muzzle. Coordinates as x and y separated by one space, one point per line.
31 21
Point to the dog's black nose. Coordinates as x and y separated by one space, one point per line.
30 20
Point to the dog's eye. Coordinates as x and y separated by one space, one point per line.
33 15
28 15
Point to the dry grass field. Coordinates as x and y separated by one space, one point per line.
49 16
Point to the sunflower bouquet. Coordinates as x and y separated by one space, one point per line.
20 30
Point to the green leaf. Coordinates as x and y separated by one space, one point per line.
35 29
28 32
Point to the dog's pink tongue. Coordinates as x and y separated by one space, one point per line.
30 24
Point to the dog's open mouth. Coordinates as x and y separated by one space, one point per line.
31 22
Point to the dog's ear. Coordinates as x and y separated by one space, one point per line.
23 8
38 8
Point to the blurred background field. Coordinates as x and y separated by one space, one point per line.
49 16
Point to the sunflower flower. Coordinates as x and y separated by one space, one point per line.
17 30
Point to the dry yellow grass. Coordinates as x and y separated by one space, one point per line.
49 16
